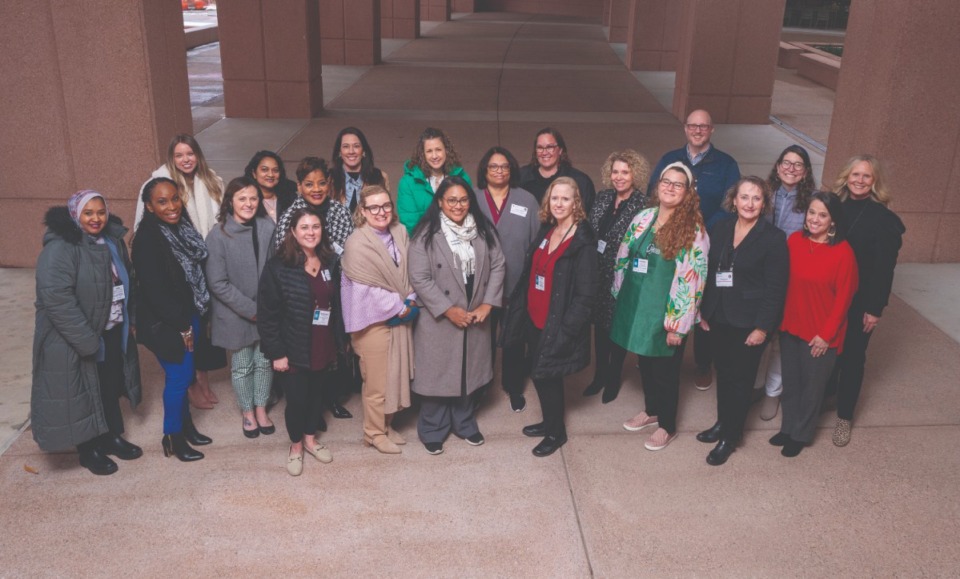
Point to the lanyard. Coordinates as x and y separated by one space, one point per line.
543 264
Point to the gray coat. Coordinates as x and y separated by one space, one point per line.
74 293
233 274
516 229
438 344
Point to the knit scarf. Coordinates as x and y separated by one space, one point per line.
190 252
458 238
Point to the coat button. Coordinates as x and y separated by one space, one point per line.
446 292
438 266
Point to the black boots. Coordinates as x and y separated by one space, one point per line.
93 459
710 435
175 444
191 435
115 444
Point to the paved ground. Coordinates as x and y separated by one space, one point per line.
886 505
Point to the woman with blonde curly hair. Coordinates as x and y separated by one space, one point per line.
625 174
658 283
433 160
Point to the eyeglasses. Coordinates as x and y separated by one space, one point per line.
673 185
462 202
547 148
694 128
787 165
498 168
378 209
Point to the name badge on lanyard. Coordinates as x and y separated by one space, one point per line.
543 243
336 247
540 283
118 293
640 265
725 278
601 246
326 275
518 210
321 317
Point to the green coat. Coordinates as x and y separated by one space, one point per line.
414 194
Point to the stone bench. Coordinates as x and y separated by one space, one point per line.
820 69
789 55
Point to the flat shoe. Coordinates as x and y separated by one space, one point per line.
710 435
791 449
395 437
434 447
475 440
518 403
339 411
535 430
658 441
267 430
721 453
295 464
779 439
384 445
549 445
841 433
319 452
251 433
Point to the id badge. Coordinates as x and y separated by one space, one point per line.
725 279
519 210
118 293
321 317
540 283
543 243
640 265
337 248
326 275
601 246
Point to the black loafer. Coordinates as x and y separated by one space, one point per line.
535 430
779 439
710 435
721 453
549 445
97 462
118 447
251 433
339 411
267 430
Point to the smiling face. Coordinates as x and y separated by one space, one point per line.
748 202
314 188
498 171
435 154
791 170
351 151
548 152
562 201
268 174
93 216
455 204
308 232
378 211
165 203
245 203
672 188
861 179
621 177
818 220
184 159
698 128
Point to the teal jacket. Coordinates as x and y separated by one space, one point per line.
414 194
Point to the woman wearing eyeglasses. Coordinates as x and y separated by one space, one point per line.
514 214
549 161
658 282
378 306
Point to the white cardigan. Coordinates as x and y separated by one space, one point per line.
201 207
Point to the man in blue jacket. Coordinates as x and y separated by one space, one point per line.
715 172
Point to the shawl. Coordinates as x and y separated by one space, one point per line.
458 238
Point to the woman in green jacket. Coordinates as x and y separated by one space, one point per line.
432 161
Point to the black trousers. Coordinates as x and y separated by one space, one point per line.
610 358
847 378
514 362
661 386
549 389
303 390
702 354
736 365
110 373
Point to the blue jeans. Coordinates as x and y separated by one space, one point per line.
177 378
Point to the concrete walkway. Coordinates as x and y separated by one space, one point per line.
602 506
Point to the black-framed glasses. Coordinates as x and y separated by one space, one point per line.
378 209
494 168
547 148
461 202
694 128
673 185
796 166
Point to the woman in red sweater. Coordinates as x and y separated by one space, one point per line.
823 279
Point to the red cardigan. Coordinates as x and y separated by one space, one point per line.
823 279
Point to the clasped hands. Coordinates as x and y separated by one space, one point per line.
461 318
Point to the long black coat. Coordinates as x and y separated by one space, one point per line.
565 341
760 274
285 312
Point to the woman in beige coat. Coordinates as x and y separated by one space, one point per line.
457 269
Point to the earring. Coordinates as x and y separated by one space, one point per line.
832 231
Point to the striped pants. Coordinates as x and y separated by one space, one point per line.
252 375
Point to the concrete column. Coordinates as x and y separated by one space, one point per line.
435 10
896 100
350 32
653 34
605 19
93 93
400 18
619 15
270 56
727 58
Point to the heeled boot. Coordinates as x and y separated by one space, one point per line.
191 435
175 444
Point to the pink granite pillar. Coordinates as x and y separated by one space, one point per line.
350 32
619 16
896 99
653 34
93 93
464 6
400 18
270 57
727 58
435 10
605 18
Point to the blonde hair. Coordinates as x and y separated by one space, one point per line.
639 168
578 213
878 191
202 172
681 229
359 219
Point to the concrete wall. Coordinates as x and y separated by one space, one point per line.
350 32
589 10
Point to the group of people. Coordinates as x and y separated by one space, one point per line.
328 283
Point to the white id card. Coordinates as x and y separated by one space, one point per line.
321 317
601 246
640 265
118 293
724 279
326 275
518 210
543 243
540 283
336 247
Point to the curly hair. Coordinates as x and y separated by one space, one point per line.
639 168
805 187
878 191
757 182
578 212
681 228
418 159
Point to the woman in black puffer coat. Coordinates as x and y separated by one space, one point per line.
301 328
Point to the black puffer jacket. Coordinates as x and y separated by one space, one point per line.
285 312
565 342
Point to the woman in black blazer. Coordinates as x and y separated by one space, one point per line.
742 303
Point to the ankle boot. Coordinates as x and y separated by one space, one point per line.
95 461
114 444
175 444
191 435
611 391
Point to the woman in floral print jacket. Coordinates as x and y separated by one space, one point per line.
660 275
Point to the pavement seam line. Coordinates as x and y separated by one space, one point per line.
576 512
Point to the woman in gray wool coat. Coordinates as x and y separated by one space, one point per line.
457 269
84 354
239 248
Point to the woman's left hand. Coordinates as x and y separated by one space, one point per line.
674 339
481 313
756 338
818 346
869 322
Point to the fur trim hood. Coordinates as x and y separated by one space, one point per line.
61 225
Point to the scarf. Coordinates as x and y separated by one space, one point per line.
77 201
190 252
458 238
352 185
